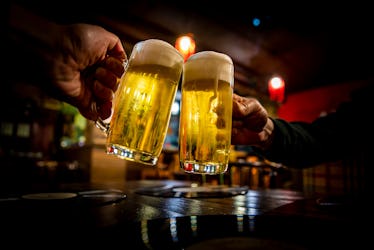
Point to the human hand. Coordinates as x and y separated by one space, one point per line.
86 68
251 124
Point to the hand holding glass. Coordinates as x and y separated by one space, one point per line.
142 103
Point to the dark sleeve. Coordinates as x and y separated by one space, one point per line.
332 137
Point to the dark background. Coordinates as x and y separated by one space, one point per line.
309 44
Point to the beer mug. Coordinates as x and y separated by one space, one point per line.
206 113
142 103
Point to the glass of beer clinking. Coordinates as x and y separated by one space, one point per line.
142 104
206 113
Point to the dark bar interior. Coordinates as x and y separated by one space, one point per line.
57 180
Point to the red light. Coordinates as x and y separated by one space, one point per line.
276 87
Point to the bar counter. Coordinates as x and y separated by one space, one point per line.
152 214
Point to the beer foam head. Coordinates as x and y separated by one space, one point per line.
209 64
155 51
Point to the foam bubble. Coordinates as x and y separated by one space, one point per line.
206 64
155 51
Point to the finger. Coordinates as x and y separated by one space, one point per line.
115 48
106 78
101 92
256 123
89 113
114 65
237 123
238 137
104 110
252 114
241 108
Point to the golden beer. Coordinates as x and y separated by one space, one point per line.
206 113
143 101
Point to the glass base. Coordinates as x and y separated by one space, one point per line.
131 155
210 168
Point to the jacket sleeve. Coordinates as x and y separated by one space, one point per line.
332 137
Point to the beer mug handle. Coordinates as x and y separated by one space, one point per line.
104 125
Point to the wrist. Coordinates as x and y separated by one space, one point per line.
267 137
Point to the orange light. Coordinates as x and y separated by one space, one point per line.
185 45
276 87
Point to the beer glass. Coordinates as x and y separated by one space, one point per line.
206 113
142 103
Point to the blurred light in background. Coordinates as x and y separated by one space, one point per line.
185 45
276 87
175 108
256 22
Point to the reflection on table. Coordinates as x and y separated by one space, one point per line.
114 212
250 171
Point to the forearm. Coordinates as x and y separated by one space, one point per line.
266 137
299 144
